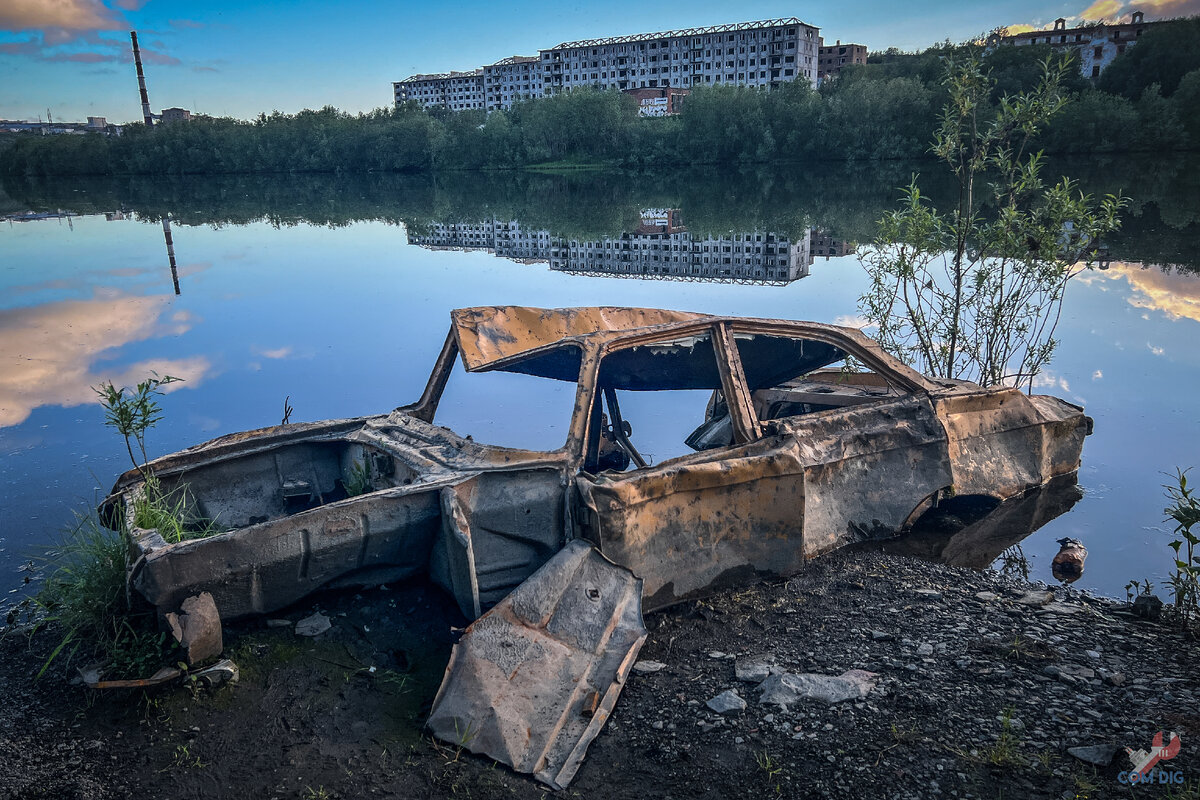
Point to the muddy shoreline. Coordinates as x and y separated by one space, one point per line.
984 685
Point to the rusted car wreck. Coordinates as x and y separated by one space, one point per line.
792 456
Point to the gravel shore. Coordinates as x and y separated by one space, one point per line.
969 684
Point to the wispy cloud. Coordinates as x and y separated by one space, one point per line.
205 69
1101 10
186 23
1117 11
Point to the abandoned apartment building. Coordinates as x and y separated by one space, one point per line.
1097 43
659 68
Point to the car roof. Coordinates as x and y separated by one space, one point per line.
536 341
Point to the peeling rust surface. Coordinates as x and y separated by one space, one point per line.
533 681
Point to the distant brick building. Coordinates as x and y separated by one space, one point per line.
831 59
1097 44
170 115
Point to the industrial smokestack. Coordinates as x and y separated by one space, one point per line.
137 59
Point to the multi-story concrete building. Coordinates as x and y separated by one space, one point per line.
765 53
1097 44
831 59
456 91
511 80
172 115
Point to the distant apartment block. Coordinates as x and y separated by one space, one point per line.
831 59
1097 44
764 53
456 91
821 244
511 80
170 115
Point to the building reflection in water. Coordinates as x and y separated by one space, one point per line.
660 248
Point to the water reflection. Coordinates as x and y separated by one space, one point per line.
49 351
974 533
660 247
1174 293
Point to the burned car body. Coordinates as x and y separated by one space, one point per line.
791 458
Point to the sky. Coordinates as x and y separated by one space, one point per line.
72 58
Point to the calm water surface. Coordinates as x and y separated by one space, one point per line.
336 293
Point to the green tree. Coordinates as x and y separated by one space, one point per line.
1162 55
961 295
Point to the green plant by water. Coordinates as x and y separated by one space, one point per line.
1184 510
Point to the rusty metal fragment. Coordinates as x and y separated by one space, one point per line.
533 681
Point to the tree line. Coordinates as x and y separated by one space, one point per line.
1147 100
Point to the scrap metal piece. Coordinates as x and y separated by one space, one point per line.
533 681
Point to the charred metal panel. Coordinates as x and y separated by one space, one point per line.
497 529
696 523
866 468
533 681
384 536
490 333
1003 441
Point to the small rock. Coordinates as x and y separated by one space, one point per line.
1059 608
986 597
1115 679
1093 653
1036 598
1100 755
930 594
788 687
716 654
197 628
925 649
279 623
727 702
657 725
313 625
753 669
1147 606
649 667
881 636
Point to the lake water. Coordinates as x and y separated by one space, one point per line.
335 293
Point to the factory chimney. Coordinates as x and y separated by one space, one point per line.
137 59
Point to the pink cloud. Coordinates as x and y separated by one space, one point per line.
77 15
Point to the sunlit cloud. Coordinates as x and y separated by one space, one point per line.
1101 9
1167 8
59 15
278 352
1097 375
1174 294
53 354
1155 349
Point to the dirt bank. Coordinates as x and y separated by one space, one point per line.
978 695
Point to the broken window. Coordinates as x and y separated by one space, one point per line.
789 376
530 411
650 399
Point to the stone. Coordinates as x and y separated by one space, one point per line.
986 597
727 702
925 649
1148 606
1035 598
279 623
1059 608
197 628
930 594
753 669
788 688
882 636
649 667
1100 755
313 625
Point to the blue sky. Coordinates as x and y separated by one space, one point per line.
239 58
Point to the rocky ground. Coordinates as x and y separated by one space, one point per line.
983 686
